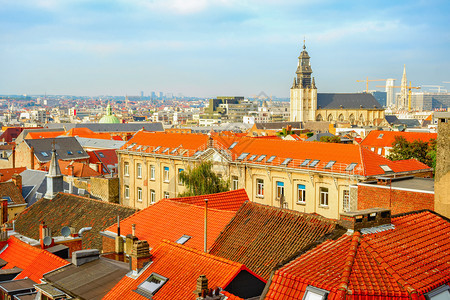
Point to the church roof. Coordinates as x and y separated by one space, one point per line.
348 101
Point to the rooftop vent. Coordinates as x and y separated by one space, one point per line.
367 218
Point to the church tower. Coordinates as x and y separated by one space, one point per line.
55 179
403 102
303 98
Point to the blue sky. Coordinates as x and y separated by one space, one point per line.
217 47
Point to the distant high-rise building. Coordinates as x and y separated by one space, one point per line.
161 95
142 95
390 82
153 95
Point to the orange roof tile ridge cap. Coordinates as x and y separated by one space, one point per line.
196 206
348 265
362 159
379 259
93 200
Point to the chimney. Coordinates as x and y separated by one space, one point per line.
118 240
17 180
140 255
14 157
100 167
81 257
4 211
44 234
32 158
73 232
202 286
3 234
365 218
130 239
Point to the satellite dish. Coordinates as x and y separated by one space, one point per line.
65 231
48 240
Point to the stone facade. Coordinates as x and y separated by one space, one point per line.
442 173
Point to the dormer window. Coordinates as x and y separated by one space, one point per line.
313 293
442 292
151 285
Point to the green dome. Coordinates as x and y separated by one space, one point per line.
109 118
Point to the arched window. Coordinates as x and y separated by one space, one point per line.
341 118
351 118
319 117
330 118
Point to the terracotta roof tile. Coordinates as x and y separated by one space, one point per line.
107 156
378 138
9 189
74 211
167 219
43 134
414 257
231 200
79 169
182 266
8 173
261 236
34 262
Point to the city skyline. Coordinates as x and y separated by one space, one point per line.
207 48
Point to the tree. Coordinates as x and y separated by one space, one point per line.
424 152
330 139
201 180
284 132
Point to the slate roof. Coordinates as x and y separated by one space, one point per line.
8 173
317 136
378 138
231 200
261 236
9 189
67 148
120 127
400 263
182 266
90 281
34 262
70 210
279 125
99 143
348 101
167 219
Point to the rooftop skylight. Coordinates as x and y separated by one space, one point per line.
261 158
69 152
232 145
252 157
45 154
330 164
131 146
151 285
386 168
157 148
314 163
271 159
101 154
183 239
165 150
243 155
350 167
286 161
305 163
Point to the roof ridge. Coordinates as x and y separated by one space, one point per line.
362 159
348 264
379 259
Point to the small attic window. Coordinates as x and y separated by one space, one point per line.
151 285
386 168
261 158
138 147
173 151
252 157
350 167
305 163
442 292
101 154
157 148
45 154
286 161
232 145
165 150
131 146
314 163
380 136
313 293
80 152
271 159
69 153
183 239
242 156
330 164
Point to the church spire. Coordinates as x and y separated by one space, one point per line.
404 90
54 177
304 70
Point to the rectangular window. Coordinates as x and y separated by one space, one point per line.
346 200
126 192
152 196
305 163
139 194
261 158
379 151
271 159
166 174
323 196
139 170
301 193
235 180
260 187
126 169
313 293
280 189
330 164
350 167
314 163
166 195
180 182
152 284
152 172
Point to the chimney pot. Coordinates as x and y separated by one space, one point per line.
365 218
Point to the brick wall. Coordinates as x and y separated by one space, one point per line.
105 188
399 201
108 244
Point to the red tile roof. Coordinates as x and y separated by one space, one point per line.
79 169
368 164
378 138
87 133
182 266
12 191
43 134
109 157
261 236
413 258
231 200
8 173
33 261
167 219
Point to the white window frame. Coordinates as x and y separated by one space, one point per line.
280 189
180 182
139 194
126 169
323 192
379 151
259 187
311 290
166 174
138 170
152 172
126 192
152 196
166 195
437 291
346 200
235 182
301 194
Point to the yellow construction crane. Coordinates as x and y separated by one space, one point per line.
367 82
409 91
